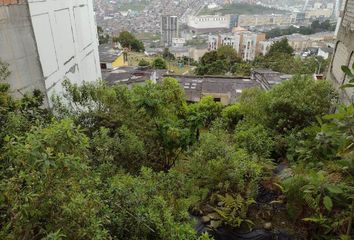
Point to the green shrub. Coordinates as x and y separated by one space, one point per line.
254 138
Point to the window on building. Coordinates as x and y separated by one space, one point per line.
217 99
103 65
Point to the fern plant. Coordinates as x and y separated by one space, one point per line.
234 210
314 198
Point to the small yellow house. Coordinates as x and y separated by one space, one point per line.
111 58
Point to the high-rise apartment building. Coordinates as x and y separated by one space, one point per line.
169 29
47 41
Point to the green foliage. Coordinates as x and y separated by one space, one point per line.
167 55
348 72
325 177
218 62
128 40
45 183
219 168
242 69
103 38
317 197
253 105
119 163
159 63
291 105
143 63
281 46
203 113
187 61
280 58
231 115
234 210
254 138
4 70
296 104
150 119
151 206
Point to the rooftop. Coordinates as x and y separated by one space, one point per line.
108 53
197 86
131 75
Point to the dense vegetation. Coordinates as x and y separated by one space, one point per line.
218 62
128 40
279 58
240 8
113 163
316 26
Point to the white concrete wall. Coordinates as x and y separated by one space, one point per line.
66 37
18 49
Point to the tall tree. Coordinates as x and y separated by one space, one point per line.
281 46
128 40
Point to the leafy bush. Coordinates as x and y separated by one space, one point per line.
218 167
204 112
151 206
321 200
295 104
159 63
45 182
143 63
231 115
254 138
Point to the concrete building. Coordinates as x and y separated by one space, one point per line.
300 42
323 13
246 44
209 23
169 29
197 52
178 42
223 89
344 52
179 52
48 41
266 20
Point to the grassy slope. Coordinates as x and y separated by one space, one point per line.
135 57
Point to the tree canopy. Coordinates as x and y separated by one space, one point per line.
218 62
128 40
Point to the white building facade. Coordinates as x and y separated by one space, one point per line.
209 23
245 43
61 37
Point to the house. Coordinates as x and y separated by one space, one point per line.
112 58
222 88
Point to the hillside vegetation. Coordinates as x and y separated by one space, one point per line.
113 163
